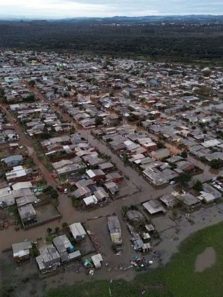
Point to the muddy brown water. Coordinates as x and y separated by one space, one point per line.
205 260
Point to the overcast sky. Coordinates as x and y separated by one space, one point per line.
81 8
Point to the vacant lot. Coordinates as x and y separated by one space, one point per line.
177 279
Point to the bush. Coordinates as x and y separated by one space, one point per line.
51 192
184 154
198 186
184 178
216 164
30 98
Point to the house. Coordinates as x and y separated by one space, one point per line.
154 207
100 194
111 187
135 217
185 166
81 192
90 200
106 167
11 135
114 228
96 174
115 177
135 238
211 143
209 194
136 158
93 159
169 174
209 189
84 183
26 199
78 232
22 185
131 146
8 197
66 249
148 144
21 251
155 177
13 160
174 159
49 259
189 201
206 197
169 200
72 168
160 154
27 214
17 173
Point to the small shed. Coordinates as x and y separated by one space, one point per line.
97 260
21 251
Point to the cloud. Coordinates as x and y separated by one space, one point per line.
79 8
51 8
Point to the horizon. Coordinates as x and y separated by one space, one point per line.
27 18
65 9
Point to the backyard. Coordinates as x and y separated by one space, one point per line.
178 279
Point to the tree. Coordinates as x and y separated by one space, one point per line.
184 154
184 178
198 186
65 227
30 98
2 92
125 159
98 121
160 145
32 83
49 230
57 230
216 163
51 192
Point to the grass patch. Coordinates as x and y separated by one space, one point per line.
177 279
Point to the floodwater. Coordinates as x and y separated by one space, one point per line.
205 260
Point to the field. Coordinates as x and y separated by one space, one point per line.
177 279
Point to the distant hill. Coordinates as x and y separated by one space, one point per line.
181 38
150 19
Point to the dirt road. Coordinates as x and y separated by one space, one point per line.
26 141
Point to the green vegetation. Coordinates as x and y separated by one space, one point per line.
184 178
160 145
34 250
98 121
177 279
125 159
198 186
216 164
32 83
76 202
51 192
2 93
184 154
30 98
186 39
